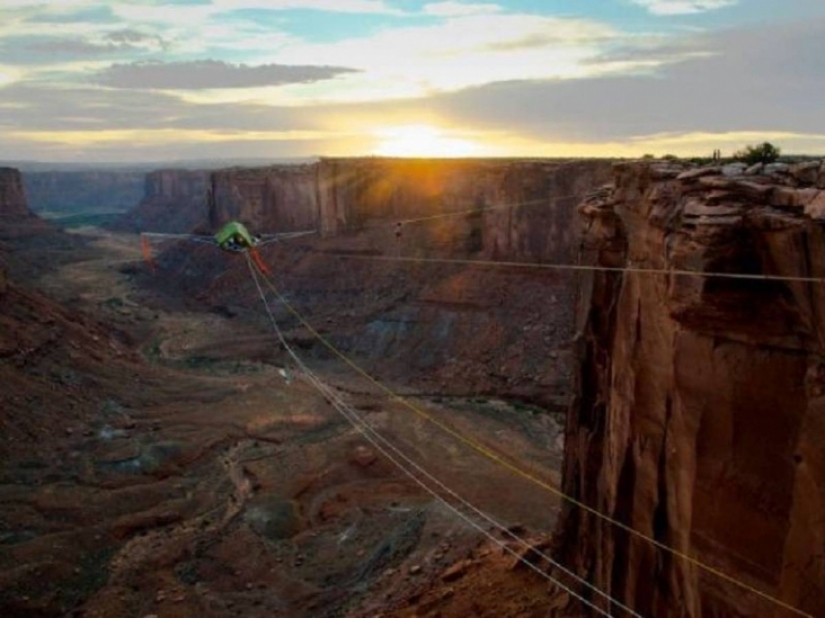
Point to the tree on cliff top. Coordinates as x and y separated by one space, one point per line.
760 153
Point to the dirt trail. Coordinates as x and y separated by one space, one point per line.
212 486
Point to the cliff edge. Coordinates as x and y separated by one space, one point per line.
174 201
12 197
700 418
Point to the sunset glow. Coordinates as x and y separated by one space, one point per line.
423 141
145 80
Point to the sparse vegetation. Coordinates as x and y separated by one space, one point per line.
758 153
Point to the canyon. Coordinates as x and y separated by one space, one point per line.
172 201
56 192
157 461
450 329
693 404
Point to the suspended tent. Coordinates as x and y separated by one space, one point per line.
233 237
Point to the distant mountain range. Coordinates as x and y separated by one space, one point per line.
199 164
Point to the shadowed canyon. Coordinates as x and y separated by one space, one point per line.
618 363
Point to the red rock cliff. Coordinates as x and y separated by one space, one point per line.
452 328
12 196
175 201
359 192
338 195
268 199
701 415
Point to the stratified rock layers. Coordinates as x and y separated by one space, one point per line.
12 196
700 420
174 201
338 195
449 328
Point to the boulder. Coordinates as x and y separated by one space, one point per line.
776 168
699 173
793 199
734 169
805 173
815 209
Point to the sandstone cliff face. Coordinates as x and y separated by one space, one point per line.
83 192
355 193
701 415
23 232
336 196
268 199
12 196
174 201
449 328
347 195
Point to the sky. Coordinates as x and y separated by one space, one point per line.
116 81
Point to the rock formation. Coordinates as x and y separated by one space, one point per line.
12 197
359 192
174 201
453 328
700 420
268 199
338 195
83 191
21 229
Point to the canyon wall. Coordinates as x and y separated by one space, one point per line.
57 192
174 201
345 195
361 192
22 232
448 328
700 416
267 199
12 196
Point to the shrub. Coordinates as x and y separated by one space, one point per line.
760 153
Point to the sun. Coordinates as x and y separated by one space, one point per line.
421 140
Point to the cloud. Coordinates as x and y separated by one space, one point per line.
683 7
148 12
766 79
117 42
210 74
130 36
335 6
517 84
456 53
74 47
8 75
52 108
452 8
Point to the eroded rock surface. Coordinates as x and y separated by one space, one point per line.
174 201
452 328
701 415
12 197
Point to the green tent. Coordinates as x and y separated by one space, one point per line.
234 237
